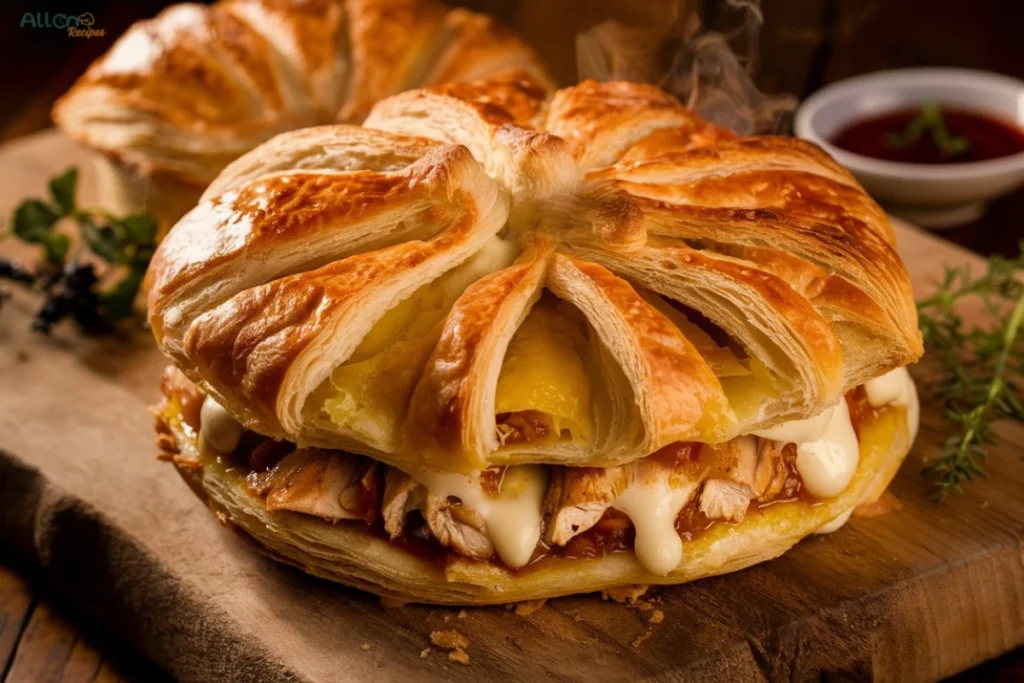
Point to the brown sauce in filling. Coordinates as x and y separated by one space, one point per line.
860 410
613 533
678 455
369 494
491 478
259 453
416 539
692 522
793 488
523 427
176 387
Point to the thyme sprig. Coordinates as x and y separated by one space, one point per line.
68 281
981 366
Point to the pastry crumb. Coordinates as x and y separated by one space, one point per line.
458 655
365 647
447 618
461 614
624 593
657 616
885 504
576 616
424 653
449 640
527 607
643 606
640 639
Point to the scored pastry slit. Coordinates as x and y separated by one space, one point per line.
794 357
369 393
745 379
544 393
856 318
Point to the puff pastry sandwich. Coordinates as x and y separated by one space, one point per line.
181 95
494 345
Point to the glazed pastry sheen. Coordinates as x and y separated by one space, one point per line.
371 288
181 95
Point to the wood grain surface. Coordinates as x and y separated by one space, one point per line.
15 606
918 594
44 640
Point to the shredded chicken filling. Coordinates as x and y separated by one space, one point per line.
580 511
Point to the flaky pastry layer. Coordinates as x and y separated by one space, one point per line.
181 95
351 554
719 285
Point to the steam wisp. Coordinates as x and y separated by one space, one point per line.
711 71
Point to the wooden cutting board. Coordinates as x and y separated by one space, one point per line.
921 593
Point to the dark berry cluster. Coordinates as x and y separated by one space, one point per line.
69 292
70 283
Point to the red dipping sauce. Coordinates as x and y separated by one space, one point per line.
988 138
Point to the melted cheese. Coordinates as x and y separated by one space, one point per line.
513 517
370 393
217 428
835 525
827 452
896 388
543 372
417 315
747 394
652 507
370 397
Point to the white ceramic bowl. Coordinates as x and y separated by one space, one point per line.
930 195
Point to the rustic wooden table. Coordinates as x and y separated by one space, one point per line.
43 639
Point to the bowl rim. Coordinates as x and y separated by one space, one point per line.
946 76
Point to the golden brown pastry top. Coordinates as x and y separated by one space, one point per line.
188 91
718 285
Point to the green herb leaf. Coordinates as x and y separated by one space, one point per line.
127 244
34 222
103 240
921 124
978 385
57 247
120 298
62 189
140 228
930 121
